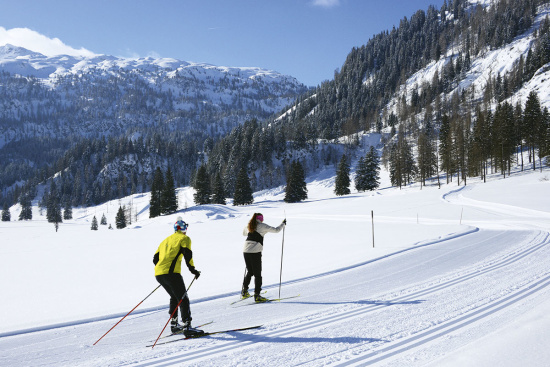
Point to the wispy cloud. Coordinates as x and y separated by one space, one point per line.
34 41
326 3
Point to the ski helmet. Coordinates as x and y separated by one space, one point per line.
180 225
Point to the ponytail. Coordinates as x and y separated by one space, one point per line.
253 223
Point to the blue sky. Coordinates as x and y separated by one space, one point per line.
308 39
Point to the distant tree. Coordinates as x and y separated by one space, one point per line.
120 218
243 190
103 220
372 163
342 181
361 175
402 166
426 157
218 195
68 211
155 205
53 206
202 186
533 119
94 224
26 208
296 187
6 216
169 199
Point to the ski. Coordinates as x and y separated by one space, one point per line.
242 299
269 300
208 333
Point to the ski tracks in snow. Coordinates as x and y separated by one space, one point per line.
397 324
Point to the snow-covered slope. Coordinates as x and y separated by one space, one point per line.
487 66
456 276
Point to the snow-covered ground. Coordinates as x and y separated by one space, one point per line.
457 276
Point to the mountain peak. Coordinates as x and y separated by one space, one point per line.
9 51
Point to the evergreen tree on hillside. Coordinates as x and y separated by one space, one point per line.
94 224
534 123
53 205
342 181
155 205
426 158
202 186
6 216
26 207
372 163
243 190
103 220
361 175
68 211
169 200
218 195
120 218
296 188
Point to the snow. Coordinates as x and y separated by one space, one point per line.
457 276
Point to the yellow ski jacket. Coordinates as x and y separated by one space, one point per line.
169 255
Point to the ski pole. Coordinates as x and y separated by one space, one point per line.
282 249
126 315
175 309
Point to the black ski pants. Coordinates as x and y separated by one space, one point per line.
253 263
174 285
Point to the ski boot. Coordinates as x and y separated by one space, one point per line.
191 332
175 327
245 295
259 299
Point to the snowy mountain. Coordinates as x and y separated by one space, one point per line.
105 95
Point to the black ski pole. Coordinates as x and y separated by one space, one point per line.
175 309
126 315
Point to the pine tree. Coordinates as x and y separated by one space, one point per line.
68 211
94 224
155 205
243 190
342 182
53 206
6 216
296 188
169 199
533 120
202 186
446 147
103 220
120 218
372 163
218 196
361 175
26 208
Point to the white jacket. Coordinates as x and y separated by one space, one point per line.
262 229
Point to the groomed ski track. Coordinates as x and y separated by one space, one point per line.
408 308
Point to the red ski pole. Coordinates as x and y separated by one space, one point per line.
175 309
126 315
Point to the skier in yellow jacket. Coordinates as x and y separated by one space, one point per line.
167 262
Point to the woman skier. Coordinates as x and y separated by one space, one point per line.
253 247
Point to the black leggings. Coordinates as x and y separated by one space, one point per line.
174 285
253 263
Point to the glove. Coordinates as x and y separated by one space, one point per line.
284 221
196 273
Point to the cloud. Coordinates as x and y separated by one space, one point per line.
326 3
34 41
